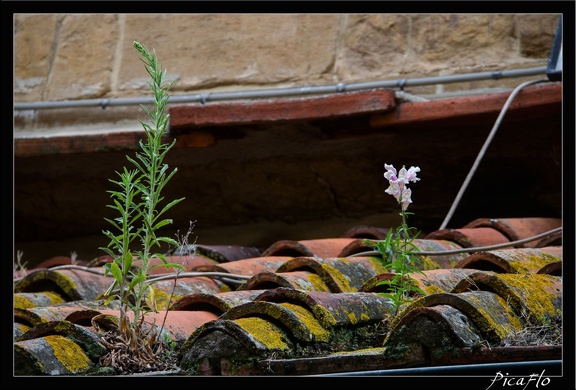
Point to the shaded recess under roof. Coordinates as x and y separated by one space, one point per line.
256 172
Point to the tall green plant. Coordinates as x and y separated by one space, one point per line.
141 214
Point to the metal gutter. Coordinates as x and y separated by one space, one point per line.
550 367
282 92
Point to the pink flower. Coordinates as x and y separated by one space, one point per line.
398 183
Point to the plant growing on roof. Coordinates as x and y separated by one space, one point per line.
398 250
138 203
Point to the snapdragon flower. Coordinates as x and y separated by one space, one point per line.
398 182
399 253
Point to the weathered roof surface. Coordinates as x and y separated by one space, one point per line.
307 314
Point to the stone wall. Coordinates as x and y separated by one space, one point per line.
90 56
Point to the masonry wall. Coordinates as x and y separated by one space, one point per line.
90 56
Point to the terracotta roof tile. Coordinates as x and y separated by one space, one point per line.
518 228
338 273
532 296
325 247
72 284
50 355
248 266
365 231
216 303
430 281
366 247
333 309
219 253
24 300
512 260
470 237
298 280
190 262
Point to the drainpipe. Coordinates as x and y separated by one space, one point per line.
526 368
282 92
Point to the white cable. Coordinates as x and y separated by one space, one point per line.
484 147
473 249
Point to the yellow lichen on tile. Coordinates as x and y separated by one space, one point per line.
532 263
353 318
67 284
319 333
514 320
164 299
69 354
264 331
63 281
378 265
22 302
339 277
46 298
428 263
487 323
21 328
323 315
364 317
535 288
317 283
432 289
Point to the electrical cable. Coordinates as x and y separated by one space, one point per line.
473 249
484 147
157 277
